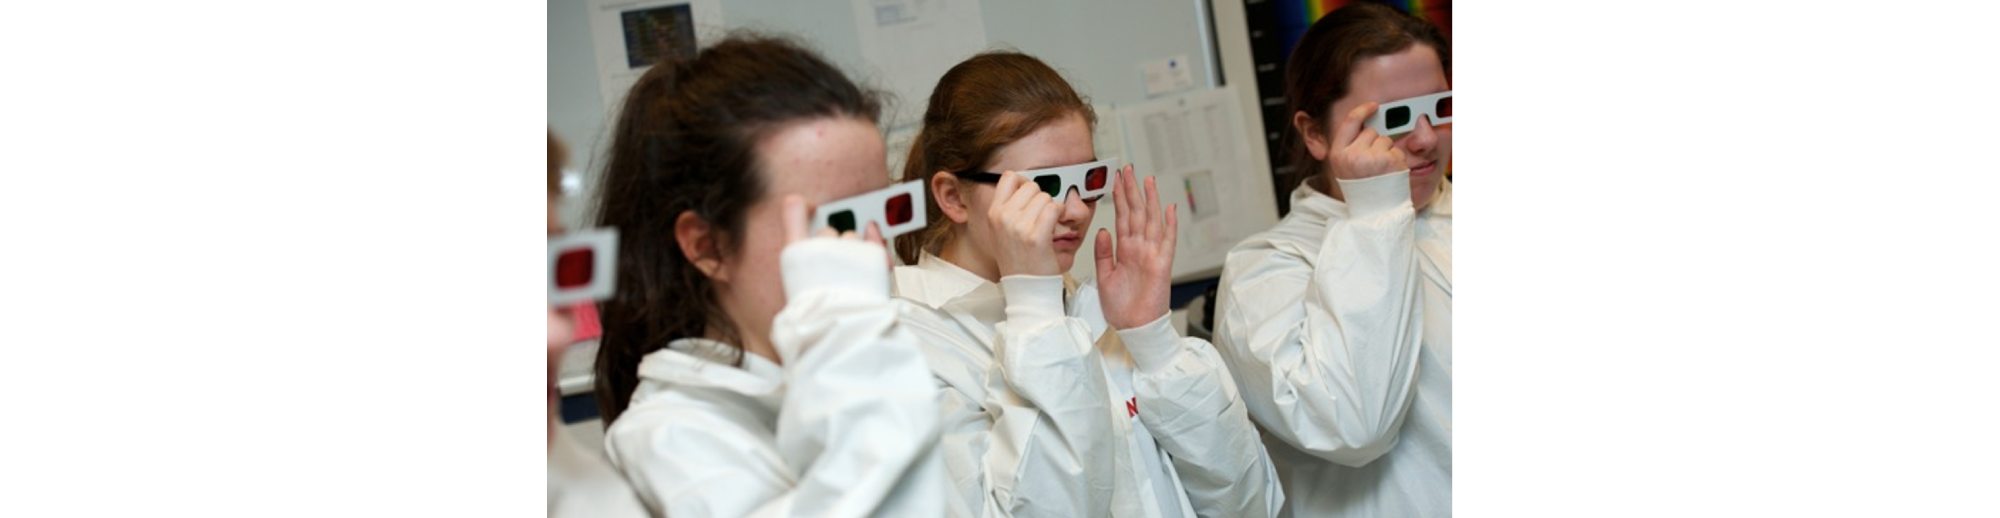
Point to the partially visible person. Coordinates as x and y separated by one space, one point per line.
746 367
1065 398
1337 322
581 482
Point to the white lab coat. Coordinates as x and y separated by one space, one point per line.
1037 422
846 427
1337 324
583 485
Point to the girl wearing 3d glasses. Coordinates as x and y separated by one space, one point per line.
1337 322
1063 399
746 368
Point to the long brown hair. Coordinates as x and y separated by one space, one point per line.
979 106
685 142
1321 69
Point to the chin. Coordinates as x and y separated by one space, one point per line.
1422 191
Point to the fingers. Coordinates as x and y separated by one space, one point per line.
1049 212
1120 197
1152 211
1350 126
1008 181
1105 261
1172 236
1029 206
1381 144
1013 201
793 209
1135 220
872 234
1364 140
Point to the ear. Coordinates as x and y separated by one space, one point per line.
1314 135
698 242
950 199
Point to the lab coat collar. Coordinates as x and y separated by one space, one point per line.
703 363
937 283
1441 205
1321 207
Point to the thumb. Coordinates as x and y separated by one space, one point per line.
1104 262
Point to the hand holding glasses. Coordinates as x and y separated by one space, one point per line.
1362 147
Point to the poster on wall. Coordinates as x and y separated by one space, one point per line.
631 35
950 31
1193 145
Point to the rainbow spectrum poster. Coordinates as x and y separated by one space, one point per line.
1294 16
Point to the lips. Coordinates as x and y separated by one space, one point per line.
1070 240
1427 169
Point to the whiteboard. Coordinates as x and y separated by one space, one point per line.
1100 46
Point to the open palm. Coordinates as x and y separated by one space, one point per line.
1135 280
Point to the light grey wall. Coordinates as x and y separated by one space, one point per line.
576 109
1097 44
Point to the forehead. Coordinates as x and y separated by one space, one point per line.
1414 71
824 159
1063 142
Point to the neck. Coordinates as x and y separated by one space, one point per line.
1324 183
959 251
752 343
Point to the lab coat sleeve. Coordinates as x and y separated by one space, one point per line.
1028 433
859 422
1326 350
1189 402
692 461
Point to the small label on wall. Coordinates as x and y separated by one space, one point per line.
1165 76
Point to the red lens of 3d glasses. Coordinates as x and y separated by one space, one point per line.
574 268
898 209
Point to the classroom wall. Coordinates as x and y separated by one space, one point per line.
1097 44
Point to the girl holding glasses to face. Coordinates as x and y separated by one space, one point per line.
1062 398
1337 322
747 366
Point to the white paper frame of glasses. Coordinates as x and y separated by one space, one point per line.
603 245
1420 106
871 207
1075 176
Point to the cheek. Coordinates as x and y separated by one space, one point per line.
760 273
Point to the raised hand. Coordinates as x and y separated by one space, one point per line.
1022 220
1135 273
793 210
1358 152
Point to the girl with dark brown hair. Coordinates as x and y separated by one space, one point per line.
745 367
1063 398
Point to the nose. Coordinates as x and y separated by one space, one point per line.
1075 212
1420 141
